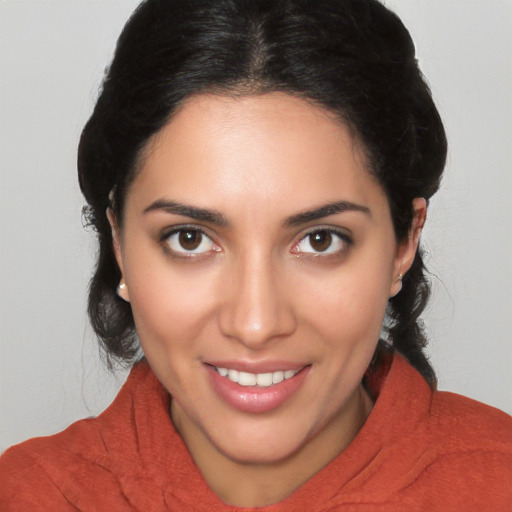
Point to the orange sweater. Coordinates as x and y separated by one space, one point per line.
418 450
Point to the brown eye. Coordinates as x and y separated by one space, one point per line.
320 241
323 242
190 239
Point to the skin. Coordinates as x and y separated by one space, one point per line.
257 288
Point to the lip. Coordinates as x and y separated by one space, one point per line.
255 399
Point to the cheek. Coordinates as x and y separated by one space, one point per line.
171 312
349 302
171 304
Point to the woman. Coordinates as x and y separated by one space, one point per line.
258 173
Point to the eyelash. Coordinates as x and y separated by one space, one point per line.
340 236
336 234
166 240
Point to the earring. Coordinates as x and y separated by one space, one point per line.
120 289
398 280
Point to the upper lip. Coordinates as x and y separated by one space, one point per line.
256 367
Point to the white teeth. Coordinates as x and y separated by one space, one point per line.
259 379
264 379
277 377
246 379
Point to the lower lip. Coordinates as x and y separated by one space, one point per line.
255 399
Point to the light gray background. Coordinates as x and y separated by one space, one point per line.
52 56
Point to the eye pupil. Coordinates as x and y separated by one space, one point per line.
190 239
321 240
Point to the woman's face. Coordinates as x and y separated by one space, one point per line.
259 255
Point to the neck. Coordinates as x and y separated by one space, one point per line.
246 484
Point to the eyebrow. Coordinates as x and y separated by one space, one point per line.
202 214
325 211
214 217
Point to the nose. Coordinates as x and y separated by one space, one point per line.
256 309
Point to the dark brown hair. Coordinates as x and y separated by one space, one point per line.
355 58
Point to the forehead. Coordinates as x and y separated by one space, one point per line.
254 151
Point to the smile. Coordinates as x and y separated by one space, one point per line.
256 379
258 391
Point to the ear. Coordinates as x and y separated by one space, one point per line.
122 289
406 249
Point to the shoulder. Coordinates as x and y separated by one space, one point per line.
48 472
472 441
32 474
468 452
449 420
25 485
459 447
466 422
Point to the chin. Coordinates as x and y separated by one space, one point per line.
261 454
262 445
